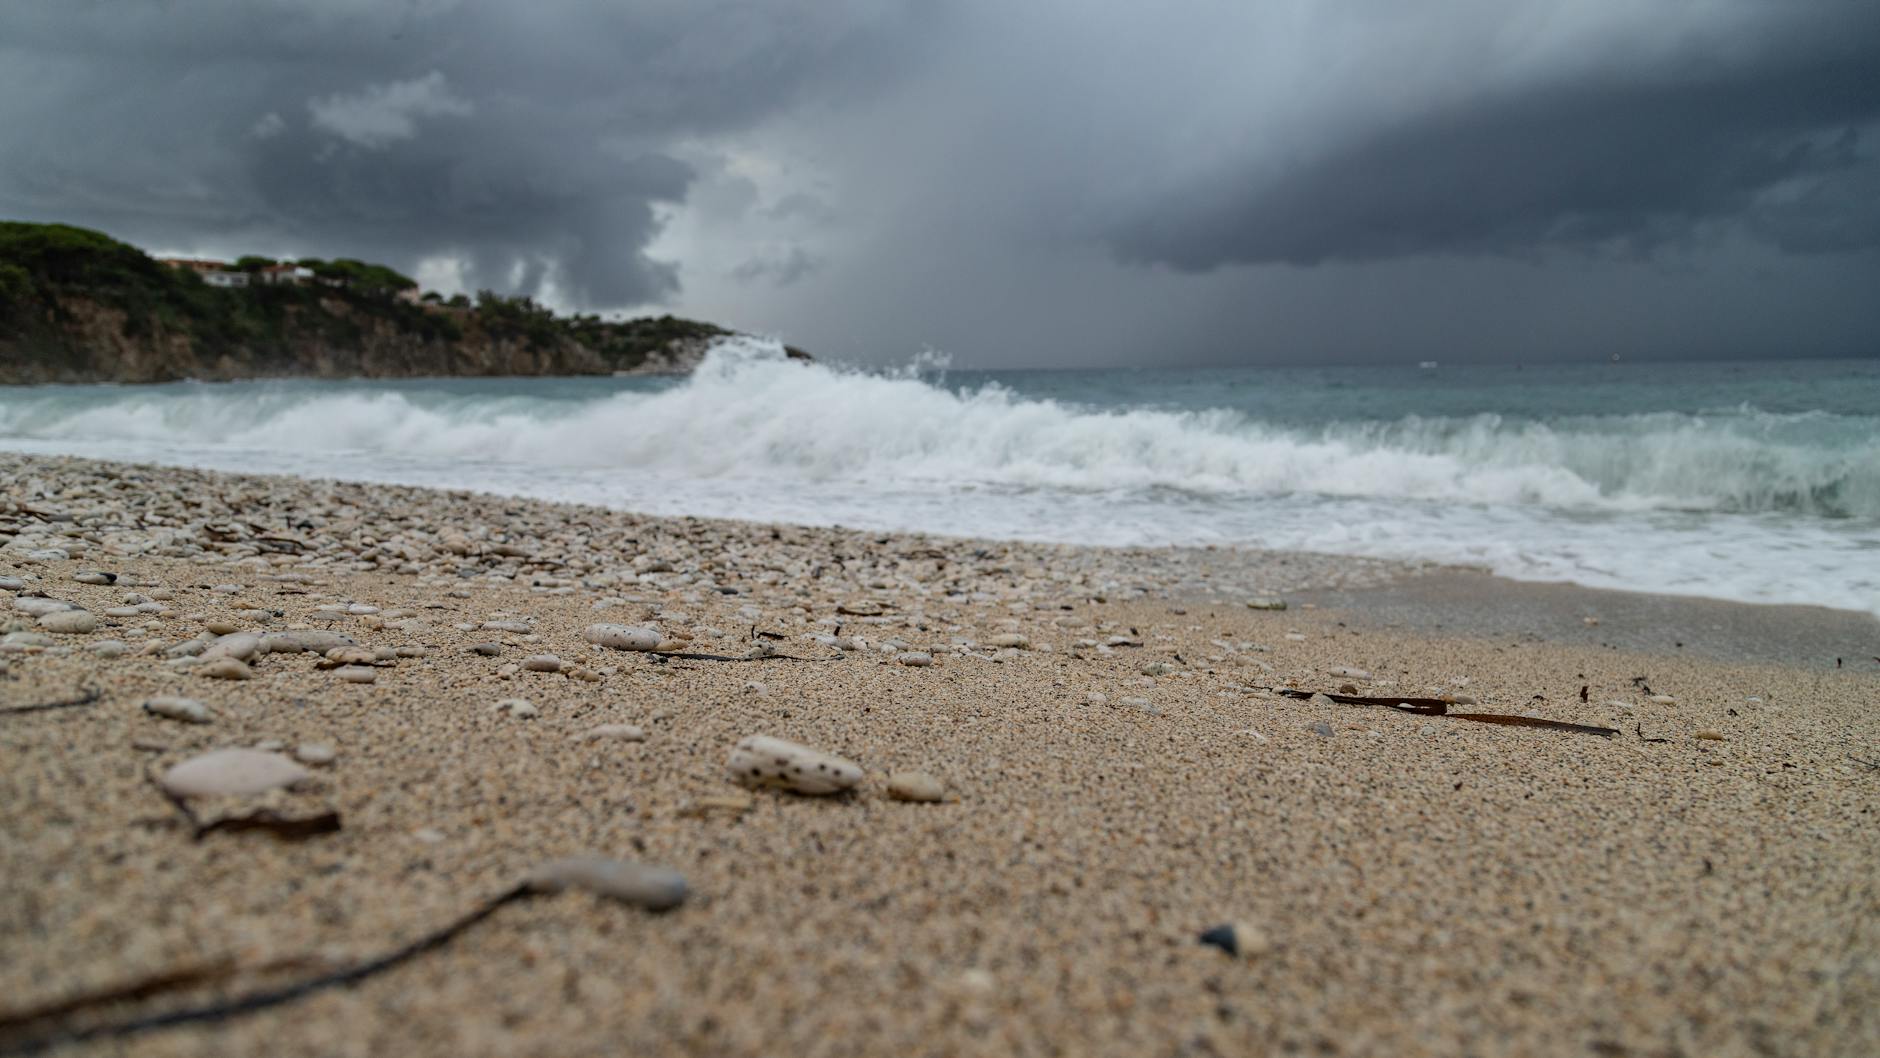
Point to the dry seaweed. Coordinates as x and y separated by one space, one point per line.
38 1029
1440 707
91 695
1639 729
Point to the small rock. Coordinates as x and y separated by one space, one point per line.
92 576
1349 673
110 648
1096 698
760 760
12 584
220 627
488 650
1709 735
1266 602
1237 939
520 708
1322 729
225 669
621 732
231 773
915 659
300 640
1140 704
69 622
1662 699
639 884
621 637
35 606
188 710
915 786
316 754
1010 640
542 663
356 674
238 645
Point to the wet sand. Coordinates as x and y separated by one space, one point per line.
1404 884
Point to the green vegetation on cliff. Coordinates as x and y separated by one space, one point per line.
79 306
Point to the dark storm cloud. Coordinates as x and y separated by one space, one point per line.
532 142
1778 134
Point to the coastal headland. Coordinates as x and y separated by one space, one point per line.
1119 767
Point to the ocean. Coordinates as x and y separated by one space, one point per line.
1757 482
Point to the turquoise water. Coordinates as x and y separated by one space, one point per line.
1752 481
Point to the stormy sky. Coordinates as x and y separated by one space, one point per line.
1051 183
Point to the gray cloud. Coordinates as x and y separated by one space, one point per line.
1055 182
1630 159
534 146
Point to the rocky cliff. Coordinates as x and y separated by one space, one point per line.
77 306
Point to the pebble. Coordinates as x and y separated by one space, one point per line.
488 650
220 627
621 637
92 576
12 584
915 659
915 786
69 622
1140 704
518 627
238 645
225 669
187 710
1266 602
35 606
1322 729
1237 939
317 754
1010 640
1096 698
1662 699
300 640
520 708
110 648
639 884
542 663
356 674
1709 735
622 732
760 760
231 773
1349 673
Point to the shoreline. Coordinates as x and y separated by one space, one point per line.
1118 780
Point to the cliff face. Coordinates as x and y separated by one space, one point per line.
79 306
86 341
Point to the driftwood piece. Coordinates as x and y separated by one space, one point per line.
1440 707
40 1028
91 695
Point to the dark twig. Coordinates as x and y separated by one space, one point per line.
1639 729
219 1010
91 695
676 655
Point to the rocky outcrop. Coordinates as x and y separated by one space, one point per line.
87 341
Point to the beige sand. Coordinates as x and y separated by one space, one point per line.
1418 885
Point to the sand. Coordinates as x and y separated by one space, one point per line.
1406 885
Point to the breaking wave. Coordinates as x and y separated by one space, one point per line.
748 412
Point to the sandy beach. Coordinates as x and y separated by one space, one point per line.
1120 776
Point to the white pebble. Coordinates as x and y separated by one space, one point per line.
231 773
621 637
187 710
760 760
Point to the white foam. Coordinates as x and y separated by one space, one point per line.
1737 504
